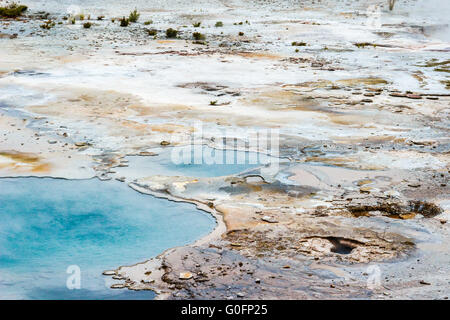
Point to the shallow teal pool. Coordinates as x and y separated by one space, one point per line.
47 225
189 161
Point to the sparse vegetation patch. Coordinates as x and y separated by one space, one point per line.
152 32
47 25
171 33
13 10
134 16
198 36
124 22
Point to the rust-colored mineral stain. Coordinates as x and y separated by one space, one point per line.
44 167
28 158
165 41
259 55
359 81
336 161
20 161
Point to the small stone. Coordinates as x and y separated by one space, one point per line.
257 280
147 154
269 219
424 282
109 273
241 294
367 100
286 267
365 189
186 275
398 95
81 144
413 96
414 185
52 141
118 286
165 143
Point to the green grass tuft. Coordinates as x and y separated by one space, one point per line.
134 16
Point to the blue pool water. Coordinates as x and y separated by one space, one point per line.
47 225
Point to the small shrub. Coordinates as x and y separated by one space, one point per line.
213 103
219 24
364 44
152 32
81 16
100 18
298 44
124 22
87 25
13 10
198 36
171 33
72 20
134 16
48 25
197 24
241 33
148 22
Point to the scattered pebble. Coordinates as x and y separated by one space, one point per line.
185 275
